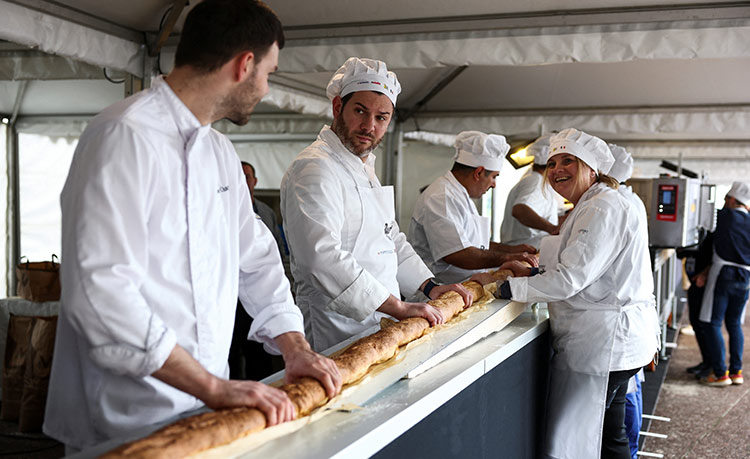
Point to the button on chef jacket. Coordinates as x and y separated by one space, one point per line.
528 191
158 228
323 214
445 221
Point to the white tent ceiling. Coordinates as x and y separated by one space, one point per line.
628 71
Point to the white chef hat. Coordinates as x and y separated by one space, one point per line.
741 192
622 169
475 149
591 150
361 74
539 149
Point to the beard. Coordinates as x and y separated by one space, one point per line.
348 138
239 105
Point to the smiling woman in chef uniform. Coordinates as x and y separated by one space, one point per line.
600 294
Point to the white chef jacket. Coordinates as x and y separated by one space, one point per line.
533 192
444 221
602 315
603 260
157 230
323 214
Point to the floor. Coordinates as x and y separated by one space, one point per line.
706 422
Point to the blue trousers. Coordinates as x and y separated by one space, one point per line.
634 417
729 299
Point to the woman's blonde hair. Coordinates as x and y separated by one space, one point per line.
580 178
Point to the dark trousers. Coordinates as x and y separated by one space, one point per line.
248 359
701 329
615 443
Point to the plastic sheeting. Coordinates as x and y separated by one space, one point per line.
57 36
528 46
697 124
296 101
45 67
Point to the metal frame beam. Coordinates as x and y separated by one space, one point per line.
639 15
166 29
82 18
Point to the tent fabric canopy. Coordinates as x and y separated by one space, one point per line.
627 71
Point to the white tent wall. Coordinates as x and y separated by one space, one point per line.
527 46
43 164
37 29
424 162
270 159
646 124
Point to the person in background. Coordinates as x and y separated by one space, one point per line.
263 210
621 171
159 239
446 230
696 260
247 358
531 211
726 287
350 261
600 297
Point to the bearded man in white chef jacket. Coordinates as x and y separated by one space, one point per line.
350 261
157 229
446 230
532 205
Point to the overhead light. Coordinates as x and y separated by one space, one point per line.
5 120
518 156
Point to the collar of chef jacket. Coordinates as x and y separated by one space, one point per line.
184 119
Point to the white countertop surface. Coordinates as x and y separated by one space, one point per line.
390 413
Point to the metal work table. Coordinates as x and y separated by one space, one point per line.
487 396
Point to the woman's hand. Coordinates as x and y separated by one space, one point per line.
484 278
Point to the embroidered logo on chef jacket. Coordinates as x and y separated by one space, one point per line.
388 229
223 189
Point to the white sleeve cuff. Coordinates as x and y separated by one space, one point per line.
272 322
412 272
361 298
519 288
128 360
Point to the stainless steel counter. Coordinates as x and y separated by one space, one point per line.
392 412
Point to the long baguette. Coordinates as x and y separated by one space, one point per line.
209 430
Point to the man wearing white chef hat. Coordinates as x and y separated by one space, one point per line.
350 261
446 230
726 286
532 205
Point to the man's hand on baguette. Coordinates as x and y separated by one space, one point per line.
519 268
484 278
300 361
458 288
183 372
273 402
402 310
